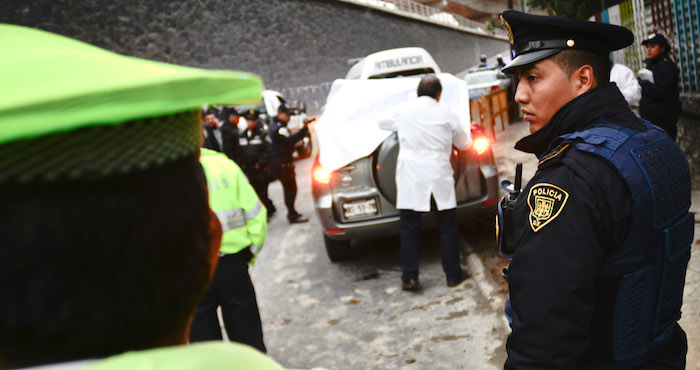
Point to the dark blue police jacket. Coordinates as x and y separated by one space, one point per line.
603 236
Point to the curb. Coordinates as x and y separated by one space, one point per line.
486 286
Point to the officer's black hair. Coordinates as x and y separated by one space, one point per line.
429 86
571 60
94 268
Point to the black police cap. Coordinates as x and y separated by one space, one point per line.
227 111
211 110
657 39
537 37
285 109
251 114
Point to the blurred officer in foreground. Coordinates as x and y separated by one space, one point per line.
244 228
660 102
281 165
600 236
425 179
253 142
108 240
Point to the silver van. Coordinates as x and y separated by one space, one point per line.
358 200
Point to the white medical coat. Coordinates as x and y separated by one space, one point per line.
627 82
426 132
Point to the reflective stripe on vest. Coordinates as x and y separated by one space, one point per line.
234 218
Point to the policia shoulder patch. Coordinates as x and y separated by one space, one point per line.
546 202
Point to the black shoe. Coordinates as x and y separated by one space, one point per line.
454 282
411 285
297 219
270 213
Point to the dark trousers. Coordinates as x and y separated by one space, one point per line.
259 181
284 172
231 289
410 223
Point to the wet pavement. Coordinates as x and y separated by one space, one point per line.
353 315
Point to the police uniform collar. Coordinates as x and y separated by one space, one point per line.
537 37
579 114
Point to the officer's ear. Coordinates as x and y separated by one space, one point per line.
583 79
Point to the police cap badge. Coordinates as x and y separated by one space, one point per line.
537 37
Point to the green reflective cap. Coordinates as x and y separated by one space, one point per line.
51 84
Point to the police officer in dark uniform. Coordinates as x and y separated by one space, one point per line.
221 131
660 101
253 143
600 236
281 166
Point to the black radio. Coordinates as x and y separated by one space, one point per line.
504 224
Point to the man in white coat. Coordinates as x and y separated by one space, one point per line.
627 82
425 179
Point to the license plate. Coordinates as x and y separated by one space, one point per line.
360 208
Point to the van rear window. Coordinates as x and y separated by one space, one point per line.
410 72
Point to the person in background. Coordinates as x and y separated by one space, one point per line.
482 62
244 229
600 236
229 132
108 243
499 62
425 179
254 143
221 131
627 82
281 163
660 103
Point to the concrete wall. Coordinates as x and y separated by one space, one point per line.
689 136
297 46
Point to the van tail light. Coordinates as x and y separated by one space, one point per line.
481 144
322 175
480 141
495 88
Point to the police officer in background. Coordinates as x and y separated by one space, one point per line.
660 102
253 144
221 131
600 236
281 166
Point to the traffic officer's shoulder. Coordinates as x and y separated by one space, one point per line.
212 156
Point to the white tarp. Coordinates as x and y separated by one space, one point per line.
349 126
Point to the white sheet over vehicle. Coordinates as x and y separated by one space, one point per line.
349 127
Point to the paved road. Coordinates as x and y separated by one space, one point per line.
352 315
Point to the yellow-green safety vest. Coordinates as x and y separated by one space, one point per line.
198 356
243 217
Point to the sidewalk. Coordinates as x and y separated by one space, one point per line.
507 158
690 321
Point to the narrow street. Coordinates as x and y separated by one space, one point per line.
353 314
